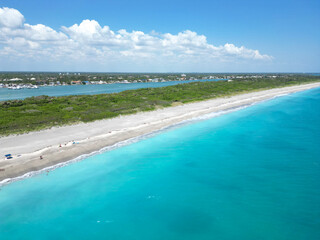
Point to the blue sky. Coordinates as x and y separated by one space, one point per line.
160 36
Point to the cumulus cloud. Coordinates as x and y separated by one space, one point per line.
89 40
10 18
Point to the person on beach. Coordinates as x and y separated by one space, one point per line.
41 157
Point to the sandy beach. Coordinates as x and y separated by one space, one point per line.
61 144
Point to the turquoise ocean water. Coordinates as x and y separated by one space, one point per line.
8 94
249 174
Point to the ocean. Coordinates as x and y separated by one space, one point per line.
9 94
248 174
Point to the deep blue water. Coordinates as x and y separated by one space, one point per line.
9 94
250 174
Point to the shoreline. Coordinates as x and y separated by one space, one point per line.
82 140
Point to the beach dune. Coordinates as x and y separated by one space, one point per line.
37 150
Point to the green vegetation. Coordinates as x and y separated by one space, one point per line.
18 116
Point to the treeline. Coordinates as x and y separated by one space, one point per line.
35 113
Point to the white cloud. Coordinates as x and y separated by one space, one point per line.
89 41
10 18
41 32
232 50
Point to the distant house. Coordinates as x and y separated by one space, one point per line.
15 79
85 82
75 82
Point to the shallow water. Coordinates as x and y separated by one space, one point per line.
9 94
250 174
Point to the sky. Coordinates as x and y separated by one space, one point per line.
160 36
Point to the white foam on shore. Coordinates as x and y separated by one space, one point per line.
140 138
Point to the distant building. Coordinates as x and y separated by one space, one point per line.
15 79
75 82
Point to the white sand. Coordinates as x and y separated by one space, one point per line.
89 137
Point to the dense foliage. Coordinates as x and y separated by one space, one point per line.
17 116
